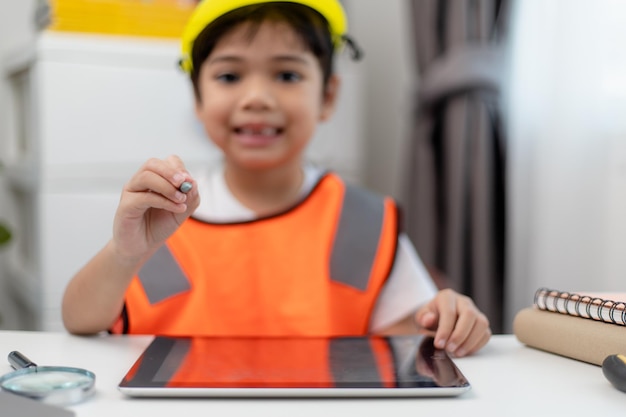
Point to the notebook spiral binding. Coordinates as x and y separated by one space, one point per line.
581 305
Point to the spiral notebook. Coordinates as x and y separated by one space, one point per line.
606 307
586 326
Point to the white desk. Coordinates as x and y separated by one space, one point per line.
508 379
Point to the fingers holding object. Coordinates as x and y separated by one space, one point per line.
167 178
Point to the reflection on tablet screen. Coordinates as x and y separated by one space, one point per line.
310 363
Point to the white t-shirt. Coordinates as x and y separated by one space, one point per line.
408 286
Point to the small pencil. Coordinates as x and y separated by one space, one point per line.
185 187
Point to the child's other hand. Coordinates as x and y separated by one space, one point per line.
151 207
460 327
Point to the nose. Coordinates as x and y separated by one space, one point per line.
258 95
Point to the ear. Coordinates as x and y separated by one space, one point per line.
329 98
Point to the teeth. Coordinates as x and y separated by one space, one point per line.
268 131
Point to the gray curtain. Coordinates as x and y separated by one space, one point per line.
456 196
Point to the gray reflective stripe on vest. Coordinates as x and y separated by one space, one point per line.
357 237
162 277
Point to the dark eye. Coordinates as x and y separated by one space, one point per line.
289 76
228 78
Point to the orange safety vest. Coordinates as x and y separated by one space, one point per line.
314 270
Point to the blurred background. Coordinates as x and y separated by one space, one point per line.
496 124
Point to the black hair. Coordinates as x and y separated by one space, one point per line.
307 23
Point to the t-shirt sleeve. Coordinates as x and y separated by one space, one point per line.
407 288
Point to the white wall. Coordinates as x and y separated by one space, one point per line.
383 29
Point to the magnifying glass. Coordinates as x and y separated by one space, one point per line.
59 385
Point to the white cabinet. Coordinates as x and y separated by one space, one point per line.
86 112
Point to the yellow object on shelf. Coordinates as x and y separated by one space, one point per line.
153 18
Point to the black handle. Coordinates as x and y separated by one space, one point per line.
614 369
19 361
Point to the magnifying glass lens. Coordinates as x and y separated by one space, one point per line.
44 382
51 384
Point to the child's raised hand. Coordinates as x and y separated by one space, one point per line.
152 207
459 326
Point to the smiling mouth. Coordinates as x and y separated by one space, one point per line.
266 131
257 137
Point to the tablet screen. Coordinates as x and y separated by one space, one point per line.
199 365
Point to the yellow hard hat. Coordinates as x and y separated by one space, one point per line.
209 10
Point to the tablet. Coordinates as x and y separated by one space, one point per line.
400 366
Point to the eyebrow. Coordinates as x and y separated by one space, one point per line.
291 58
277 58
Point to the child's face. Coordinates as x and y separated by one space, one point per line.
261 97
